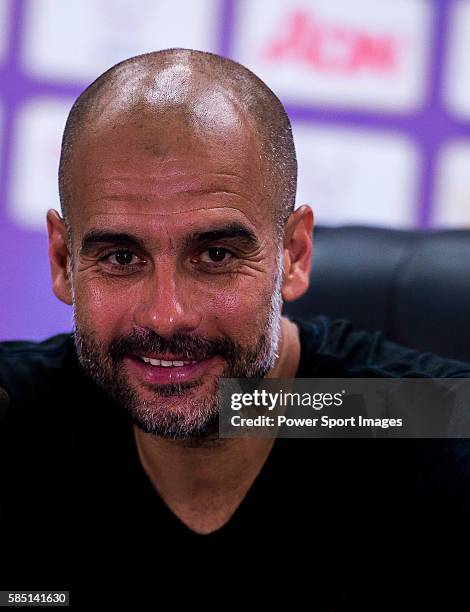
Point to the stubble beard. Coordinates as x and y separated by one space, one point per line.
174 410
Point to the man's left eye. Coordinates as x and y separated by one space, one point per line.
216 255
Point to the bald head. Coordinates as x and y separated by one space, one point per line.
178 97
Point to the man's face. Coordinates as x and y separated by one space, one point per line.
176 271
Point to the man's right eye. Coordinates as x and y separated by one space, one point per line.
122 258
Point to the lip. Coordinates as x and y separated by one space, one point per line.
165 375
166 357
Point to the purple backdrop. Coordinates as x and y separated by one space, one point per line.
28 307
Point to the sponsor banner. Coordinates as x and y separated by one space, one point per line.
452 199
35 161
77 40
366 54
344 407
457 79
357 176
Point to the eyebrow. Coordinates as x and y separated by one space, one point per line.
234 230
95 238
229 231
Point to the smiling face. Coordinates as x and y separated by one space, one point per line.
173 262
176 272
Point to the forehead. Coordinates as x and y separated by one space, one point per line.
167 173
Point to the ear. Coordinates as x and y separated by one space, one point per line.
297 253
59 257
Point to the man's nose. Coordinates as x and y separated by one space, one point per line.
167 304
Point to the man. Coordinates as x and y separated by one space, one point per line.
177 245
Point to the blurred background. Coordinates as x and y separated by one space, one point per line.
378 92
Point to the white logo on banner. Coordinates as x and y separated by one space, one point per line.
457 82
38 135
452 199
361 53
4 30
357 176
78 39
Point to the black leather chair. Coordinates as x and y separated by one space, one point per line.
412 285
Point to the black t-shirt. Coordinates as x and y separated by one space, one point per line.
329 524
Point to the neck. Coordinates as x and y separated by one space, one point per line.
186 475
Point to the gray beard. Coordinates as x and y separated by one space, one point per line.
173 412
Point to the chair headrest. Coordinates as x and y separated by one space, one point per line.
412 285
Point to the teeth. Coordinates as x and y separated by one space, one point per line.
164 363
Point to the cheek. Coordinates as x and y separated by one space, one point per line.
241 314
102 312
